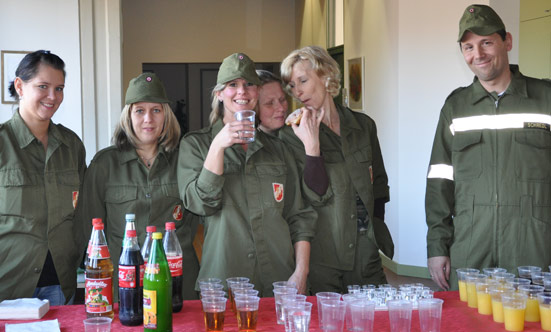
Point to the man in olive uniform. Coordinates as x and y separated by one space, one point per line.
488 199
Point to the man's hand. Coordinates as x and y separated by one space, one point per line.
439 268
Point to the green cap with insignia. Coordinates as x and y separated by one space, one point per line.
237 65
146 87
481 20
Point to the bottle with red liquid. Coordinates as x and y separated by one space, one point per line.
173 252
99 275
131 272
146 248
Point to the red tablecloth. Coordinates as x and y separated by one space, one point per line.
456 316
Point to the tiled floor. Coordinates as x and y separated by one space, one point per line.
396 280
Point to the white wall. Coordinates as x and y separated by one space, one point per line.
30 25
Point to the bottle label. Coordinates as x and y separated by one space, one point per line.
98 251
142 272
99 295
127 276
149 309
152 268
175 265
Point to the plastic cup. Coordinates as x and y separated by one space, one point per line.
544 300
353 289
213 312
279 284
333 312
299 316
526 271
399 314
207 287
97 324
247 312
213 293
514 307
244 292
430 314
547 282
362 314
208 281
497 305
538 278
238 286
348 298
484 299
286 302
323 296
471 279
532 313
246 135
461 273
503 277
515 282
490 271
278 294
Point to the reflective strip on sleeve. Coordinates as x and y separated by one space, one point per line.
501 121
440 171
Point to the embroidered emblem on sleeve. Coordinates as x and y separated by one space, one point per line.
177 213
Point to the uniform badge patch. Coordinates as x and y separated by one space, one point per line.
177 213
537 125
278 191
75 199
371 173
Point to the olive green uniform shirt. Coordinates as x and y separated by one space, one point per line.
354 164
253 213
38 193
488 198
117 182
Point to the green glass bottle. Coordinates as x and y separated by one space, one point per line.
157 289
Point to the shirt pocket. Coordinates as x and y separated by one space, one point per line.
119 200
68 184
533 155
272 179
467 155
20 192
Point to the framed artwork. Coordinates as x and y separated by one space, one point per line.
355 83
10 61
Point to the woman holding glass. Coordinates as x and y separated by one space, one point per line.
256 223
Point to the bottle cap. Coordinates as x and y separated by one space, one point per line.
131 233
96 221
170 226
130 216
98 226
151 229
157 236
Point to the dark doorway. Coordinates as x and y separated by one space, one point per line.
189 87
337 53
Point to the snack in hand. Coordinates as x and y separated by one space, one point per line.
294 117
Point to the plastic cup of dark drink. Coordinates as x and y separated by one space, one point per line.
213 313
247 312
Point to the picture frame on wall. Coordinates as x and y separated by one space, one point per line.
356 83
9 62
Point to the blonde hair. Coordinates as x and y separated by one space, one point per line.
321 62
216 105
125 138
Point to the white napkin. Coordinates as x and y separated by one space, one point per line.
44 326
24 308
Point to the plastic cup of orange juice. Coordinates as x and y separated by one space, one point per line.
544 300
514 307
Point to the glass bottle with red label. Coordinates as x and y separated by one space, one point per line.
157 289
146 248
173 252
98 295
131 273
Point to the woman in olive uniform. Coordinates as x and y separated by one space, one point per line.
350 229
138 175
42 165
256 223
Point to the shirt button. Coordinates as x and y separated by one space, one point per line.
250 256
148 195
352 216
351 245
36 270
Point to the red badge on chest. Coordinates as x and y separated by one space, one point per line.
371 173
177 213
75 199
278 191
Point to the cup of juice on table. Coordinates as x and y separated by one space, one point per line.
461 282
497 305
532 313
471 279
514 307
544 300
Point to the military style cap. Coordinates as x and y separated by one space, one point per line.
237 65
481 20
146 87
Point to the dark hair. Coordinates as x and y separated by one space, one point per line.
28 67
267 77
